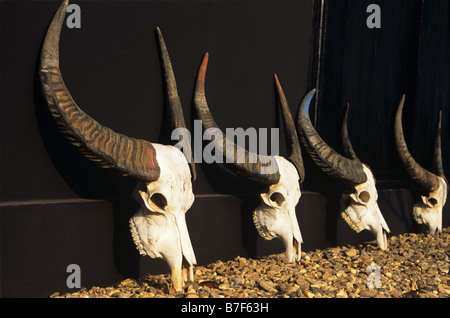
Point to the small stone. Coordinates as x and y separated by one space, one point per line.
443 289
129 282
367 293
115 294
351 252
267 286
309 294
214 294
292 289
236 281
315 289
190 285
341 294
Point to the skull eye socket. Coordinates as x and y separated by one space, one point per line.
364 196
277 198
159 200
432 201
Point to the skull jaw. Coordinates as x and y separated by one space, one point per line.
369 218
165 237
271 224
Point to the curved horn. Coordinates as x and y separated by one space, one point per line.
329 161
293 145
437 151
347 145
128 156
426 180
252 165
173 100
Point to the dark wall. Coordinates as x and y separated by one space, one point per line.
56 208
371 68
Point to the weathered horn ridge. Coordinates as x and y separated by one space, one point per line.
259 168
327 159
127 156
292 143
424 179
175 109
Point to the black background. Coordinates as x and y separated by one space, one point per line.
57 209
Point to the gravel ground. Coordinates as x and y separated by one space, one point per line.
416 265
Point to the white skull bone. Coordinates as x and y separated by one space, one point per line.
275 217
362 211
159 227
428 210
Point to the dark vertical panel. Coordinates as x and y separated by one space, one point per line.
370 69
432 85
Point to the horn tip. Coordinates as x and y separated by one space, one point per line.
159 34
277 82
307 100
402 103
205 60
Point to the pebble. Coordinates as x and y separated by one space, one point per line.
414 266
267 286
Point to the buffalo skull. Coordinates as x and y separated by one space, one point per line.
430 192
361 211
164 187
275 216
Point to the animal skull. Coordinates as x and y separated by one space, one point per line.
431 189
361 211
428 210
165 178
275 216
159 227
